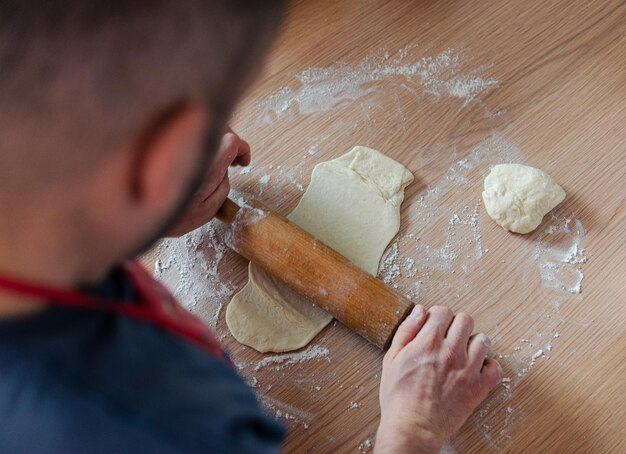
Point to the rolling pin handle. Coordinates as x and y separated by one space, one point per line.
228 211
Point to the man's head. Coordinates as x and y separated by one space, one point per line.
119 103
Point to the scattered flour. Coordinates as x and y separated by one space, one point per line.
455 246
354 406
314 352
366 445
189 267
414 293
246 215
538 354
409 267
288 412
321 89
389 267
263 181
559 255
280 176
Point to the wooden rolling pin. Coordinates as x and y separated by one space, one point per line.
357 299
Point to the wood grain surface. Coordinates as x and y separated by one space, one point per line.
537 82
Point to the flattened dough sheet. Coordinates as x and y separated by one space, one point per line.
352 205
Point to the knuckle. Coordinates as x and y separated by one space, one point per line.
450 357
481 342
443 310
429 342
465 318
230 137
436 309
464 380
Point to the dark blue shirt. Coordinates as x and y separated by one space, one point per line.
83 381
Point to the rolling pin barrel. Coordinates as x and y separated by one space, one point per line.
329 280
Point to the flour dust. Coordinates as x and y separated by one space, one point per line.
560 256
189 267
286 412
450 228
313 352
319 90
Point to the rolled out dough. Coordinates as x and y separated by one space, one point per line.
352 205
517 197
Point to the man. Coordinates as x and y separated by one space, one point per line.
113 133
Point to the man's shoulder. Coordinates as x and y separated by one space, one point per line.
42 412
116 378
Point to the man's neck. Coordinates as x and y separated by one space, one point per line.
18 306
37 272
39 254
14 304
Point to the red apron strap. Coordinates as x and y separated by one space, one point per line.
155 306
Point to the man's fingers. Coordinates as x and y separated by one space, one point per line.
478 348
219 169
408 329
219 195
229 150
457 338
490 374
243 154
436 326
460 329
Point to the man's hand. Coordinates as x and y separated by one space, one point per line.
434 376
212 194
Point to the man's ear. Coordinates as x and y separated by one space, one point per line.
165 157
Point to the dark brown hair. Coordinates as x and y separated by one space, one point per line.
79 78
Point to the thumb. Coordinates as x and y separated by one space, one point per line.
408 329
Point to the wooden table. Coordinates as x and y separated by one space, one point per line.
449 88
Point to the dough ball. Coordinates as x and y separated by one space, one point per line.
517 197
